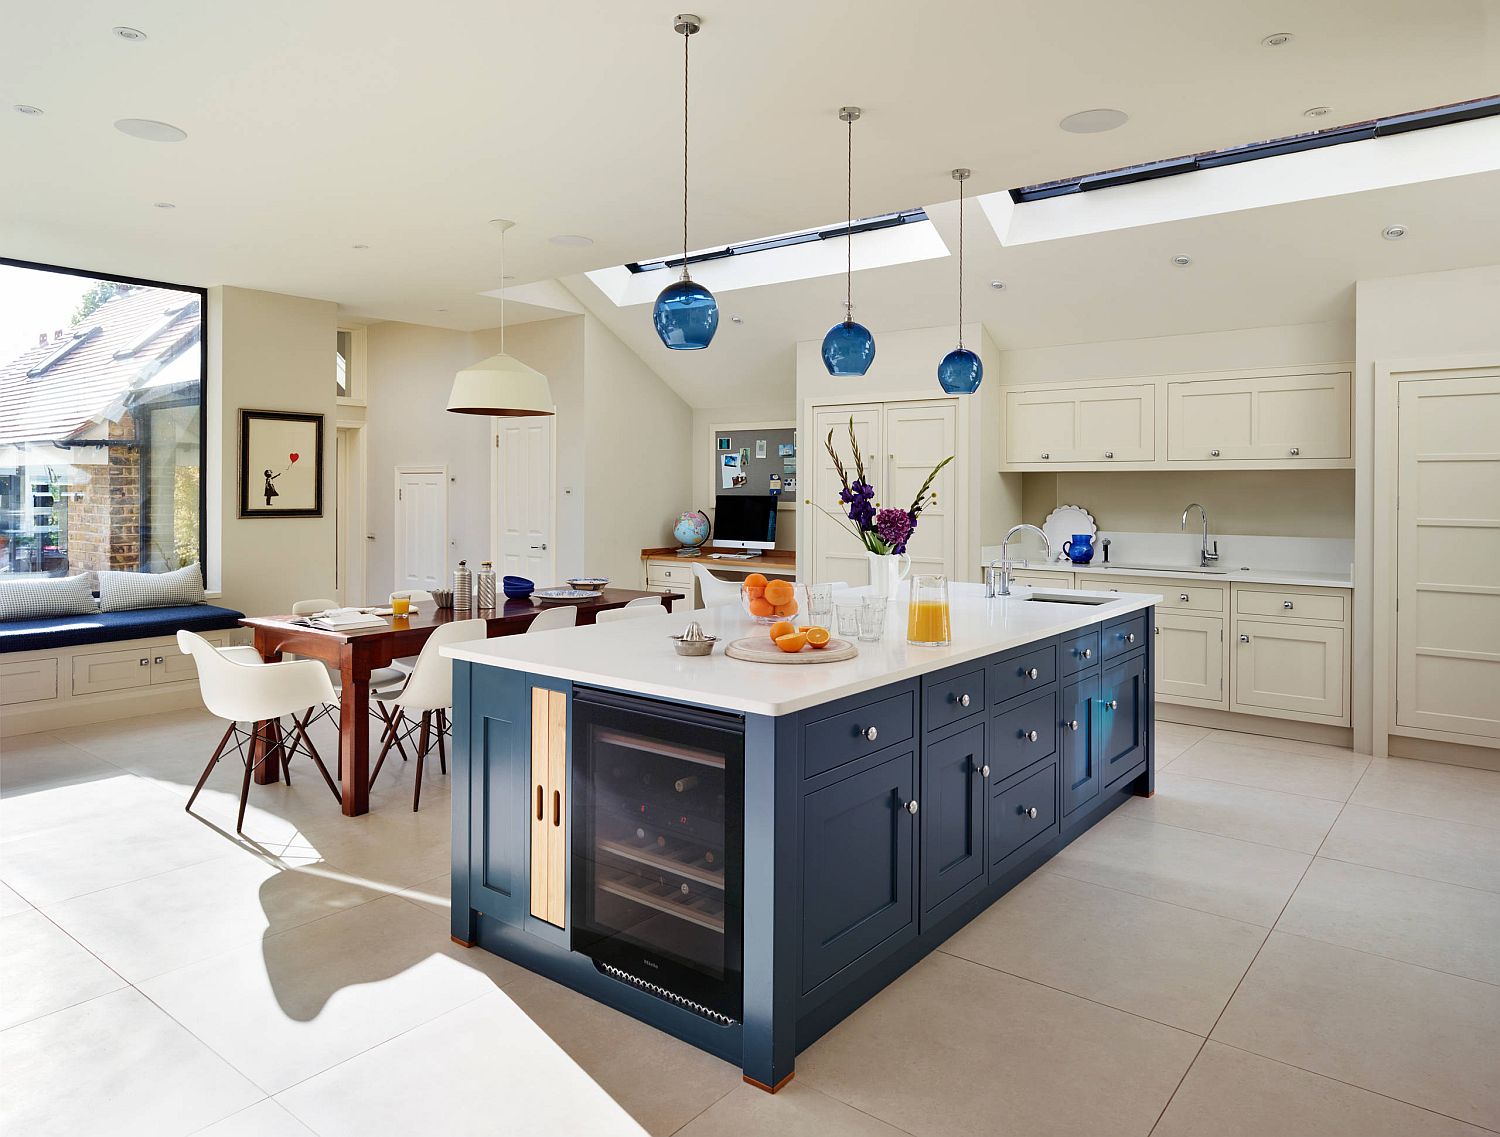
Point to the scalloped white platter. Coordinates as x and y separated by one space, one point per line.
1062 523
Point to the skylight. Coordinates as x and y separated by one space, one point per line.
764 244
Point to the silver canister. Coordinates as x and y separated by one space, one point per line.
484 582
463 596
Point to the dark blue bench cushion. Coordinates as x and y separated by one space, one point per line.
108 627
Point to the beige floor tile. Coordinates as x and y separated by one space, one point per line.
796 1110
263 1119
114 1065
1443 926
1229 1093
1285 745
32 762
1172 738
952 1048
434 894
43 970
22 815
657 1079
483 1069
11 902
1225 758
1421 846
1269 817
1196 870
388 849
1453 793
151 926
306 999
1161 961
1420 1036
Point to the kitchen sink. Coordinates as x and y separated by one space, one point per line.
1156 568
1040 596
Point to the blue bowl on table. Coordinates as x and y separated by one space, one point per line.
517 587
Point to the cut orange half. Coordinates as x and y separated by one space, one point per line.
818 637
792 643
783 628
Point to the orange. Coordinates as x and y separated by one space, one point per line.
754 591
783 628
792 643
759 607
818 637
755 580
784 609
779 592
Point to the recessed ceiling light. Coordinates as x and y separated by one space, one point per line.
998 285
440 309
572 240
738 319
1393 232
164 205
134 35
1095 121
1316 112
150 130
1181 260
1277 39
509 276
27 108
359 246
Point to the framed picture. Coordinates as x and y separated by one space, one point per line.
281 464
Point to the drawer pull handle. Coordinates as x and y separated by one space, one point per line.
1287 604
1294 451
145 663
1128 637
962 700
1109 453
1112 705
1029 735
1029 672
1028 812
1045 455
556 809
982 771
870 733
539 803
159 659
1244 639
1072 724
911 806
1213 453
1182 596
1087 653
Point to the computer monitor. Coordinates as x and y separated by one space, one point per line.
745 522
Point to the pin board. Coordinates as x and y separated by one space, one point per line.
755 461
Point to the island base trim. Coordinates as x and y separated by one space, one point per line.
768 1089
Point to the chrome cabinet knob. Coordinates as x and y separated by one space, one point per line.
1109 453
1045 455
1244 639
145 663
159 659
1112 705
1287 604
1028 812
1030 672
1294 451
1088 653
911 807
1182 596
1129 637
1072 724
962 700
1029 735
1213 453
869 732
983 771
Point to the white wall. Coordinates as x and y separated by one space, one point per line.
268 352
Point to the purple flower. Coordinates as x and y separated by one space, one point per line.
860 498
894 527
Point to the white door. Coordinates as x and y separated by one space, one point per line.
421 527
523 498
349 506
836 553
917 437
1448 556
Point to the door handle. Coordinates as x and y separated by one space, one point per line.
1029 673
543 545
1029 735
1112 705
962 700
539 803
910 806
159 659
1287 604
557 808
1028 812
1244 639
1072 724
870 733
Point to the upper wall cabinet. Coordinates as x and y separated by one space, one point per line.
1254 421
1080 426
1274 418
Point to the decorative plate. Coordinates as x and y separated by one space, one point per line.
762 649
588 583
563 595
1062 523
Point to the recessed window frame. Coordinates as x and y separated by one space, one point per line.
806 236
357 366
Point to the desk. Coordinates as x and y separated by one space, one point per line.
663 568
356 653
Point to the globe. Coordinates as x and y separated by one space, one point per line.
691 529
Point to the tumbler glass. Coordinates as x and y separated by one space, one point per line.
848 614
927 621
871 618
820 604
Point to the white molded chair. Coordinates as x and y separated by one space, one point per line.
415 595
644 602
379 677
428 689
715 591
260 694
635 609
550 619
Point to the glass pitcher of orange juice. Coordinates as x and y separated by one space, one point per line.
927 622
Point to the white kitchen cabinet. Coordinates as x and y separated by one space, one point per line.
1269 418
1105 424
1291 670
1190 659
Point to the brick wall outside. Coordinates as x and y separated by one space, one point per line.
104 513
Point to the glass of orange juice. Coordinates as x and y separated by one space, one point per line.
401 605
927 622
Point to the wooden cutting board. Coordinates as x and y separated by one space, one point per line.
763 649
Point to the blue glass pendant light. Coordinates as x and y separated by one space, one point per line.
686 314
849 348
961 371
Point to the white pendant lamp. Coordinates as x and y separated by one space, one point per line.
501 385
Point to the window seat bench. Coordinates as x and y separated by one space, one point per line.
60 671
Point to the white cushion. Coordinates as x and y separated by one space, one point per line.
121 591
35 596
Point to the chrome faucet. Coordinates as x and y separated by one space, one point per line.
1003 565
1205 558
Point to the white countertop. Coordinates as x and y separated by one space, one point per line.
637 656
1310 578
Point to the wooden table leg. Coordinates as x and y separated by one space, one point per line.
354 732
266 773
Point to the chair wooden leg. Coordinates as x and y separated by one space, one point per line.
442 726
312 752
209 769
239 821
416 794
384 750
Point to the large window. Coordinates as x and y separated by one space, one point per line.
101 422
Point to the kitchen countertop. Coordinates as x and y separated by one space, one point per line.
636 655
1310 578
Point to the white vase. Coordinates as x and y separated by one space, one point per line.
887 571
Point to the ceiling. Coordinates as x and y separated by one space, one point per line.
313 128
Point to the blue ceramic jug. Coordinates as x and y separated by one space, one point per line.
1080 548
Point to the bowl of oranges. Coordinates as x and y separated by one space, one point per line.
768 601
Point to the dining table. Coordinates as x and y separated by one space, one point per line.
358 652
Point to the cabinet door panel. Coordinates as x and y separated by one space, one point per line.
834 555
1289 668
1286 418
1122 719
1080 773
1039 426
857 866
1117 424
111 671
952 815
1021 813
917 437
1190 658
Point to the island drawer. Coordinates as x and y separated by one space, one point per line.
1011 746
1022 813
1021 673
947 698
1125 635
1079 649
856 731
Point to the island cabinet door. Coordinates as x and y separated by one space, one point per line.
951 819
1122 719
1081 776
858 865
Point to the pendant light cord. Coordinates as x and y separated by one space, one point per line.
685 38
960 264
502 292
849 231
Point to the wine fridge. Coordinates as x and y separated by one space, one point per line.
658 847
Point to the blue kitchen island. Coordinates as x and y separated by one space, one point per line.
741 854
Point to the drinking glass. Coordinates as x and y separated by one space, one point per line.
400 605
820 604
871 618
927 621
848 613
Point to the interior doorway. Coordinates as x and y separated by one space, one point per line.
349 511
421 528
524 502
